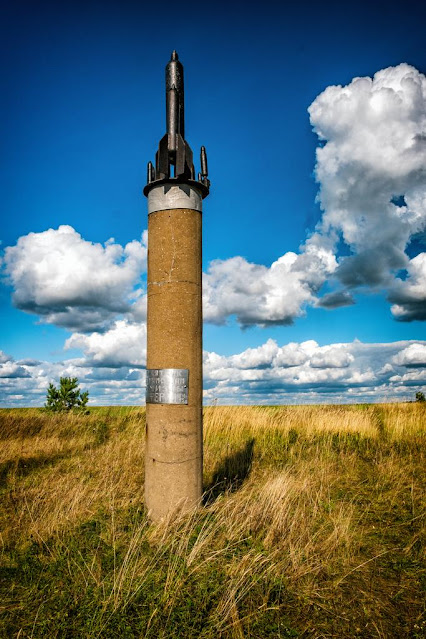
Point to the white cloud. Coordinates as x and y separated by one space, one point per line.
410 295
259 357
9 369
411 378
294 354
414 355
336 356
371 170
71 282
256 294
124 344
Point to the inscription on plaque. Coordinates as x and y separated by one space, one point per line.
167 385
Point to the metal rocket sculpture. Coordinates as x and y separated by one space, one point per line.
174 159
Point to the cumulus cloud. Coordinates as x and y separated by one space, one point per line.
410 378
371 167
124 344
71 282
9 369
331 357
409 296
260 357
412 356
256 294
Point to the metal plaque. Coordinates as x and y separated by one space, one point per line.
167 385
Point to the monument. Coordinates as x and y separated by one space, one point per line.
174 376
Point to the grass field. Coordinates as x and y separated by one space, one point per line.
313 526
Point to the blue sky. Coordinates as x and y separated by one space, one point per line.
83 112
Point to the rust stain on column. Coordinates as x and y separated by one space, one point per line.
174 454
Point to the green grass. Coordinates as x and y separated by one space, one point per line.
313 526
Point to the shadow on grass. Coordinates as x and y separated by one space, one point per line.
231 473
23 466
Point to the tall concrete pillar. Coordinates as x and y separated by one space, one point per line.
174 446
174 436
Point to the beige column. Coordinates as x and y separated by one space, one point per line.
174 439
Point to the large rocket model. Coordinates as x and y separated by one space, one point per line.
174 437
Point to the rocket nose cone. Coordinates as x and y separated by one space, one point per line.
174 55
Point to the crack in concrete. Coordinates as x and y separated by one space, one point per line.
183 461
174 282
172 265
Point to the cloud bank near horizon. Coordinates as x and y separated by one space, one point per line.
294 373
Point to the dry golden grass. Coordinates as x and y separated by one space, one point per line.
313 526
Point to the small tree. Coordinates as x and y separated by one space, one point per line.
420 397
67 396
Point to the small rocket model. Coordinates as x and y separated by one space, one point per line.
174 158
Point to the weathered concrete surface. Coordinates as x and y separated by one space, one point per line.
174 453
